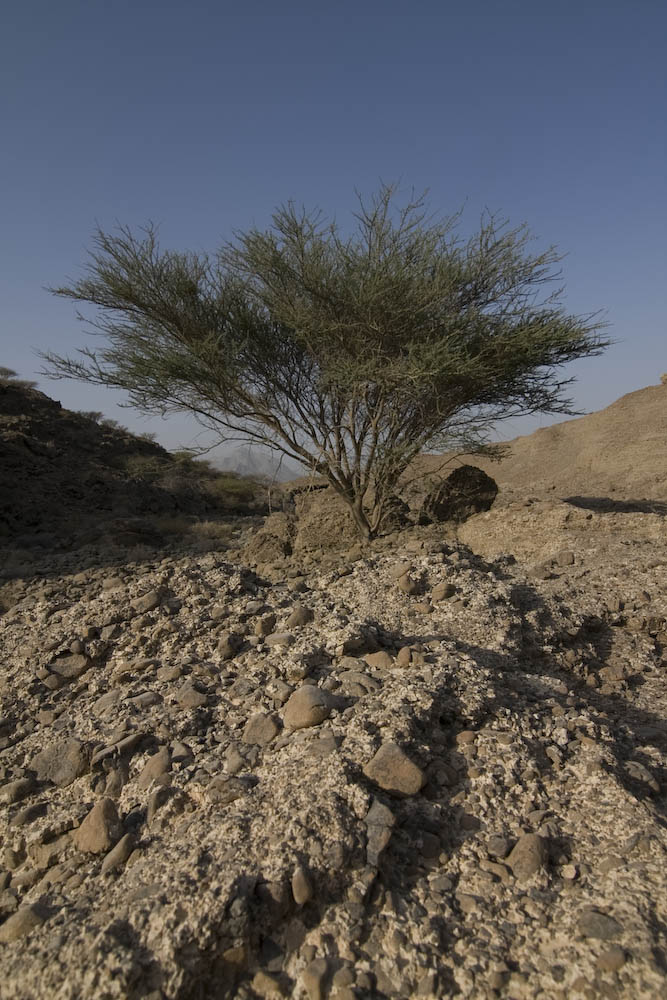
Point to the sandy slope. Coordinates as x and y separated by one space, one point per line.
619 452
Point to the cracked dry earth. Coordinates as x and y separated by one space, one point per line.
414 772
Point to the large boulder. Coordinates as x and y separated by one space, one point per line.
466 491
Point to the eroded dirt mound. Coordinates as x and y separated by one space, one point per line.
537 529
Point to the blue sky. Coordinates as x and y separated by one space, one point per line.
204 120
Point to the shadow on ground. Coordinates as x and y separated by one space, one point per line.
606 505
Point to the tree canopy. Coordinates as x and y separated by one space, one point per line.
349 353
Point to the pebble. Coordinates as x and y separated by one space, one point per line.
307 706
260 729
21 923
528 856
119 854
15 791
399 570
234 762
229 645
279 639
313 979
222 790
265 625
300 616
302 888
70 667
380 661
148 602
156 766
267 986
100 830
380 822
466 737
467 902
190 697
393 770
408 585
105 705
611 960
443 591
157 798
593 924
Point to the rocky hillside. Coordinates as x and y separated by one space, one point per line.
619 453
68 476
435 767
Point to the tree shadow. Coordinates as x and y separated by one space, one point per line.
607 505
273 927
626 723
114 545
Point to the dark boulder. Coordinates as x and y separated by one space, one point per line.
466 491
396 514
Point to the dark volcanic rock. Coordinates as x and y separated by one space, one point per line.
467 491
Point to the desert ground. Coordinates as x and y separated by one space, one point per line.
243 756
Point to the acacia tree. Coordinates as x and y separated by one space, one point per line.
350 354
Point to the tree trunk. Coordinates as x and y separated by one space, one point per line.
361 520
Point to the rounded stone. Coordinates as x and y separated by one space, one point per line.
593 924
21 923
148 602
119 854
393 770
260 729
528 856
154 767
381 660
307 706
100 830
279 639
300 616
443 591
611 960
302 889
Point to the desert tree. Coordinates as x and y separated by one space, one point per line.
349 352
9 377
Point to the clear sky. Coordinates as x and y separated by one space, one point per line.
203 120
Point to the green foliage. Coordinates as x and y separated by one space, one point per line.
145 468
181 473
232 489
95 416
350 354
9 377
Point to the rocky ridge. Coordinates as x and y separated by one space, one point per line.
70 478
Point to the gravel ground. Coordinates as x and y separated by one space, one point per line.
414 771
